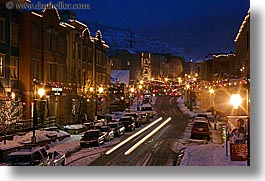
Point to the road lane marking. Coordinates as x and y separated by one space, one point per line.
132 136
146 137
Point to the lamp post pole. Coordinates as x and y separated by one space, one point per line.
35 114
41 93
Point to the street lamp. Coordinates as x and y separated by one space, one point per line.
235 100
212 91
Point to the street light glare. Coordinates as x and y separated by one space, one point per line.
235 100
211 91
41 92
101 90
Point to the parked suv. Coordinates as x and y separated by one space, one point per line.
118 128
107 132
128 122
200 129
92 137
28 156
136 118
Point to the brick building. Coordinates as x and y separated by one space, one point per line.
59 52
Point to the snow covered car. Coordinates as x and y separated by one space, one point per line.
148 109
107 132
92 137
128 122
56 159
28 156
117 128
200 129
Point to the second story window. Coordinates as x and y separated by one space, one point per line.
14 68
2 65
52 39
36 68
2 30
62 44
52 72
14 34
35 36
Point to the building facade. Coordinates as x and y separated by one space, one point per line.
59 52
242 46
9 50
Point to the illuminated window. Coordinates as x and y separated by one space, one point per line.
2 65
13 67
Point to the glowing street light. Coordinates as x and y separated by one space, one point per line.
13 95
41 92
91 89
235 100
132 90
100 90
211 91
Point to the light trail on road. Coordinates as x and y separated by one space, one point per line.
132 136
146 137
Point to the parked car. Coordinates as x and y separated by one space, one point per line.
200 129
148 109
107 132
128 122
28 156
56 159
146 101
136 118
208 115
91 138
144 117
199 118
118 128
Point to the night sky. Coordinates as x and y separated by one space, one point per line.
182 23
152 13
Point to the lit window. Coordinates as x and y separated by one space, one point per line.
2 65
14 68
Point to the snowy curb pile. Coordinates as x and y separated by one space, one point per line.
184 109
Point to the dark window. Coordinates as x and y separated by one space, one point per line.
14 34
36 157
2 30
62 44
35 36
18 160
